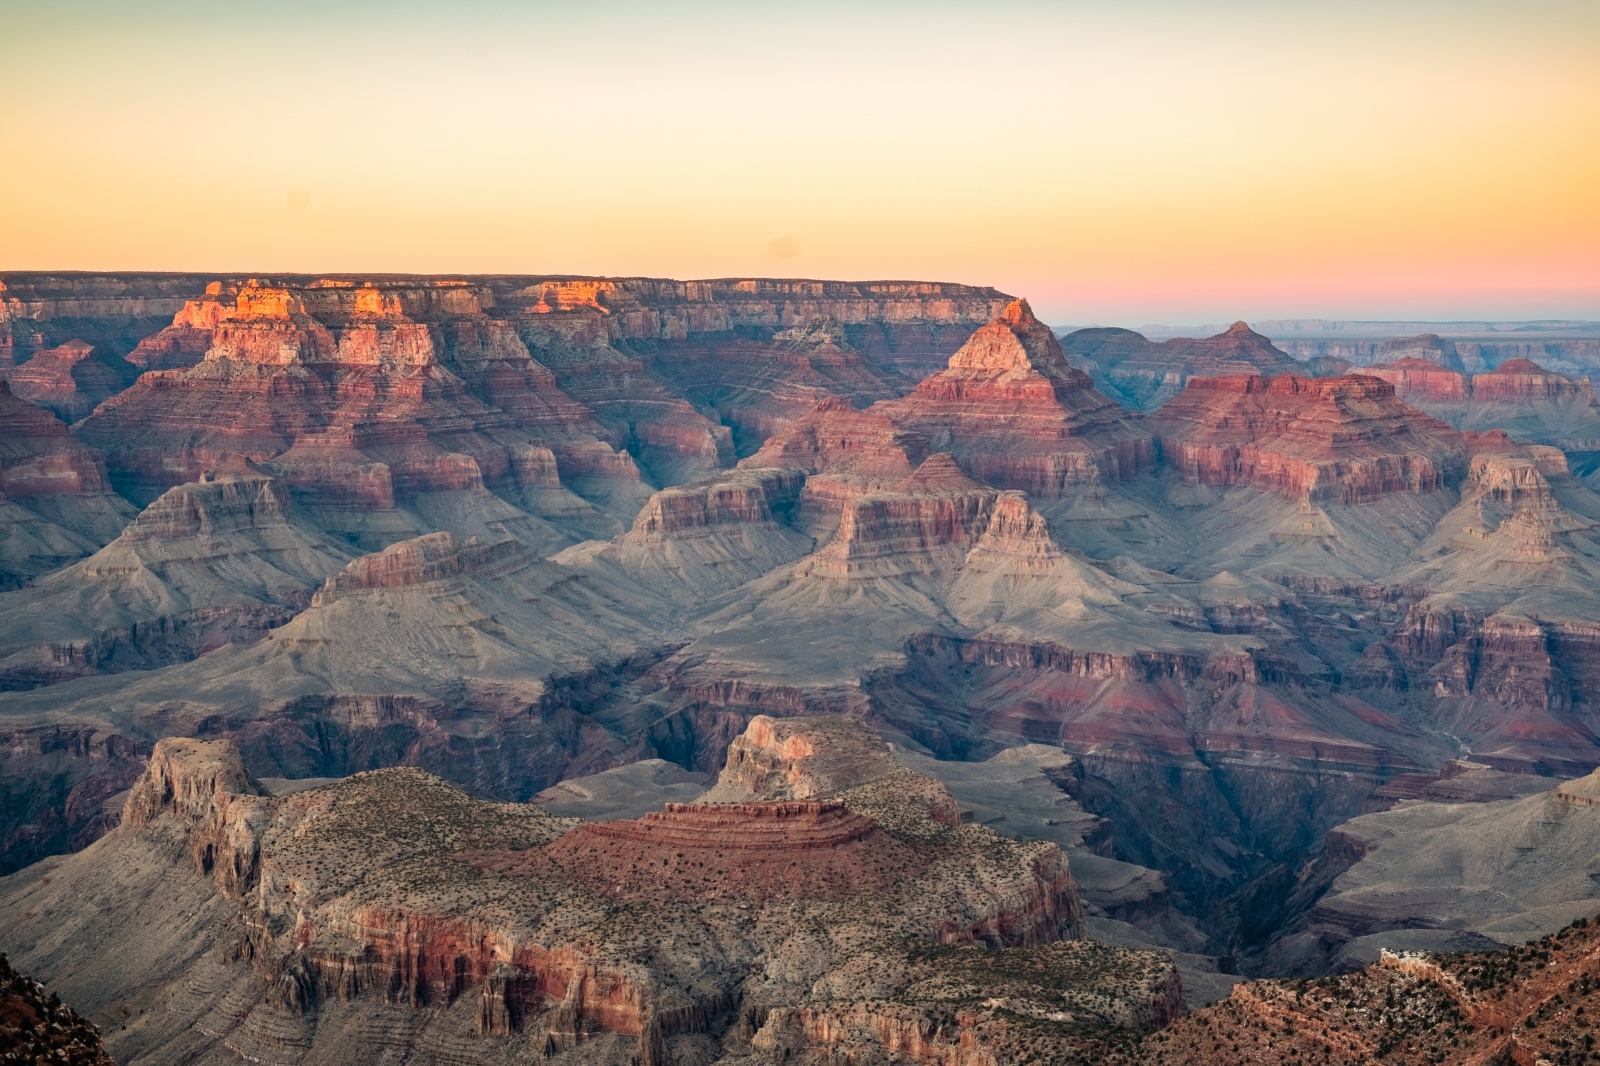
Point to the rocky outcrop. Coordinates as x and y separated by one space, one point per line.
758 388
1425 347
1014 414
39 1028
1348 439
359 413
390 891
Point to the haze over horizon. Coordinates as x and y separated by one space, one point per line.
1134 163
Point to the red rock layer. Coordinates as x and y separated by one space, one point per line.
1348 439
38 457
1526 381
1421 381
1014 414
755 851
356 412
70 380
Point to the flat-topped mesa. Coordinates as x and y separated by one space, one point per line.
1348 439
1525 380
203 787
800 825
745 496
1420 381
1425 347
1013 413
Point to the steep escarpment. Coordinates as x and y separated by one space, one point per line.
70 380
374 425
473 659
391 899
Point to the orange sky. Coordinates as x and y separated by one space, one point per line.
1125 162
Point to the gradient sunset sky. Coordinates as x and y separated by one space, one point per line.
1118 162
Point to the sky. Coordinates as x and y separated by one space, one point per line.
1117 162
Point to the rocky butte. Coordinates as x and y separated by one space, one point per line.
1038 684
861 920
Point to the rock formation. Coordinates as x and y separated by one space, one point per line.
1144 374
70 380
1533 1003
696 932
208 564
1518 397
36 1027
1015 415
1348 439
499 529
56 504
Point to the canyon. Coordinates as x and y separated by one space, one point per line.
505 590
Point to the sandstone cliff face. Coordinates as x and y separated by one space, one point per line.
359 413
1348 439
391 895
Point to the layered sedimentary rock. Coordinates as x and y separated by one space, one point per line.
1519 397
1016 416
466 658
351 402
392 900
210 563
39 311
56 503
757 388
1348 439
1425 347
70 380
1144 374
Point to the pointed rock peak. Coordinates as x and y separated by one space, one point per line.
940 474
1240 328
1018 314
1014 341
